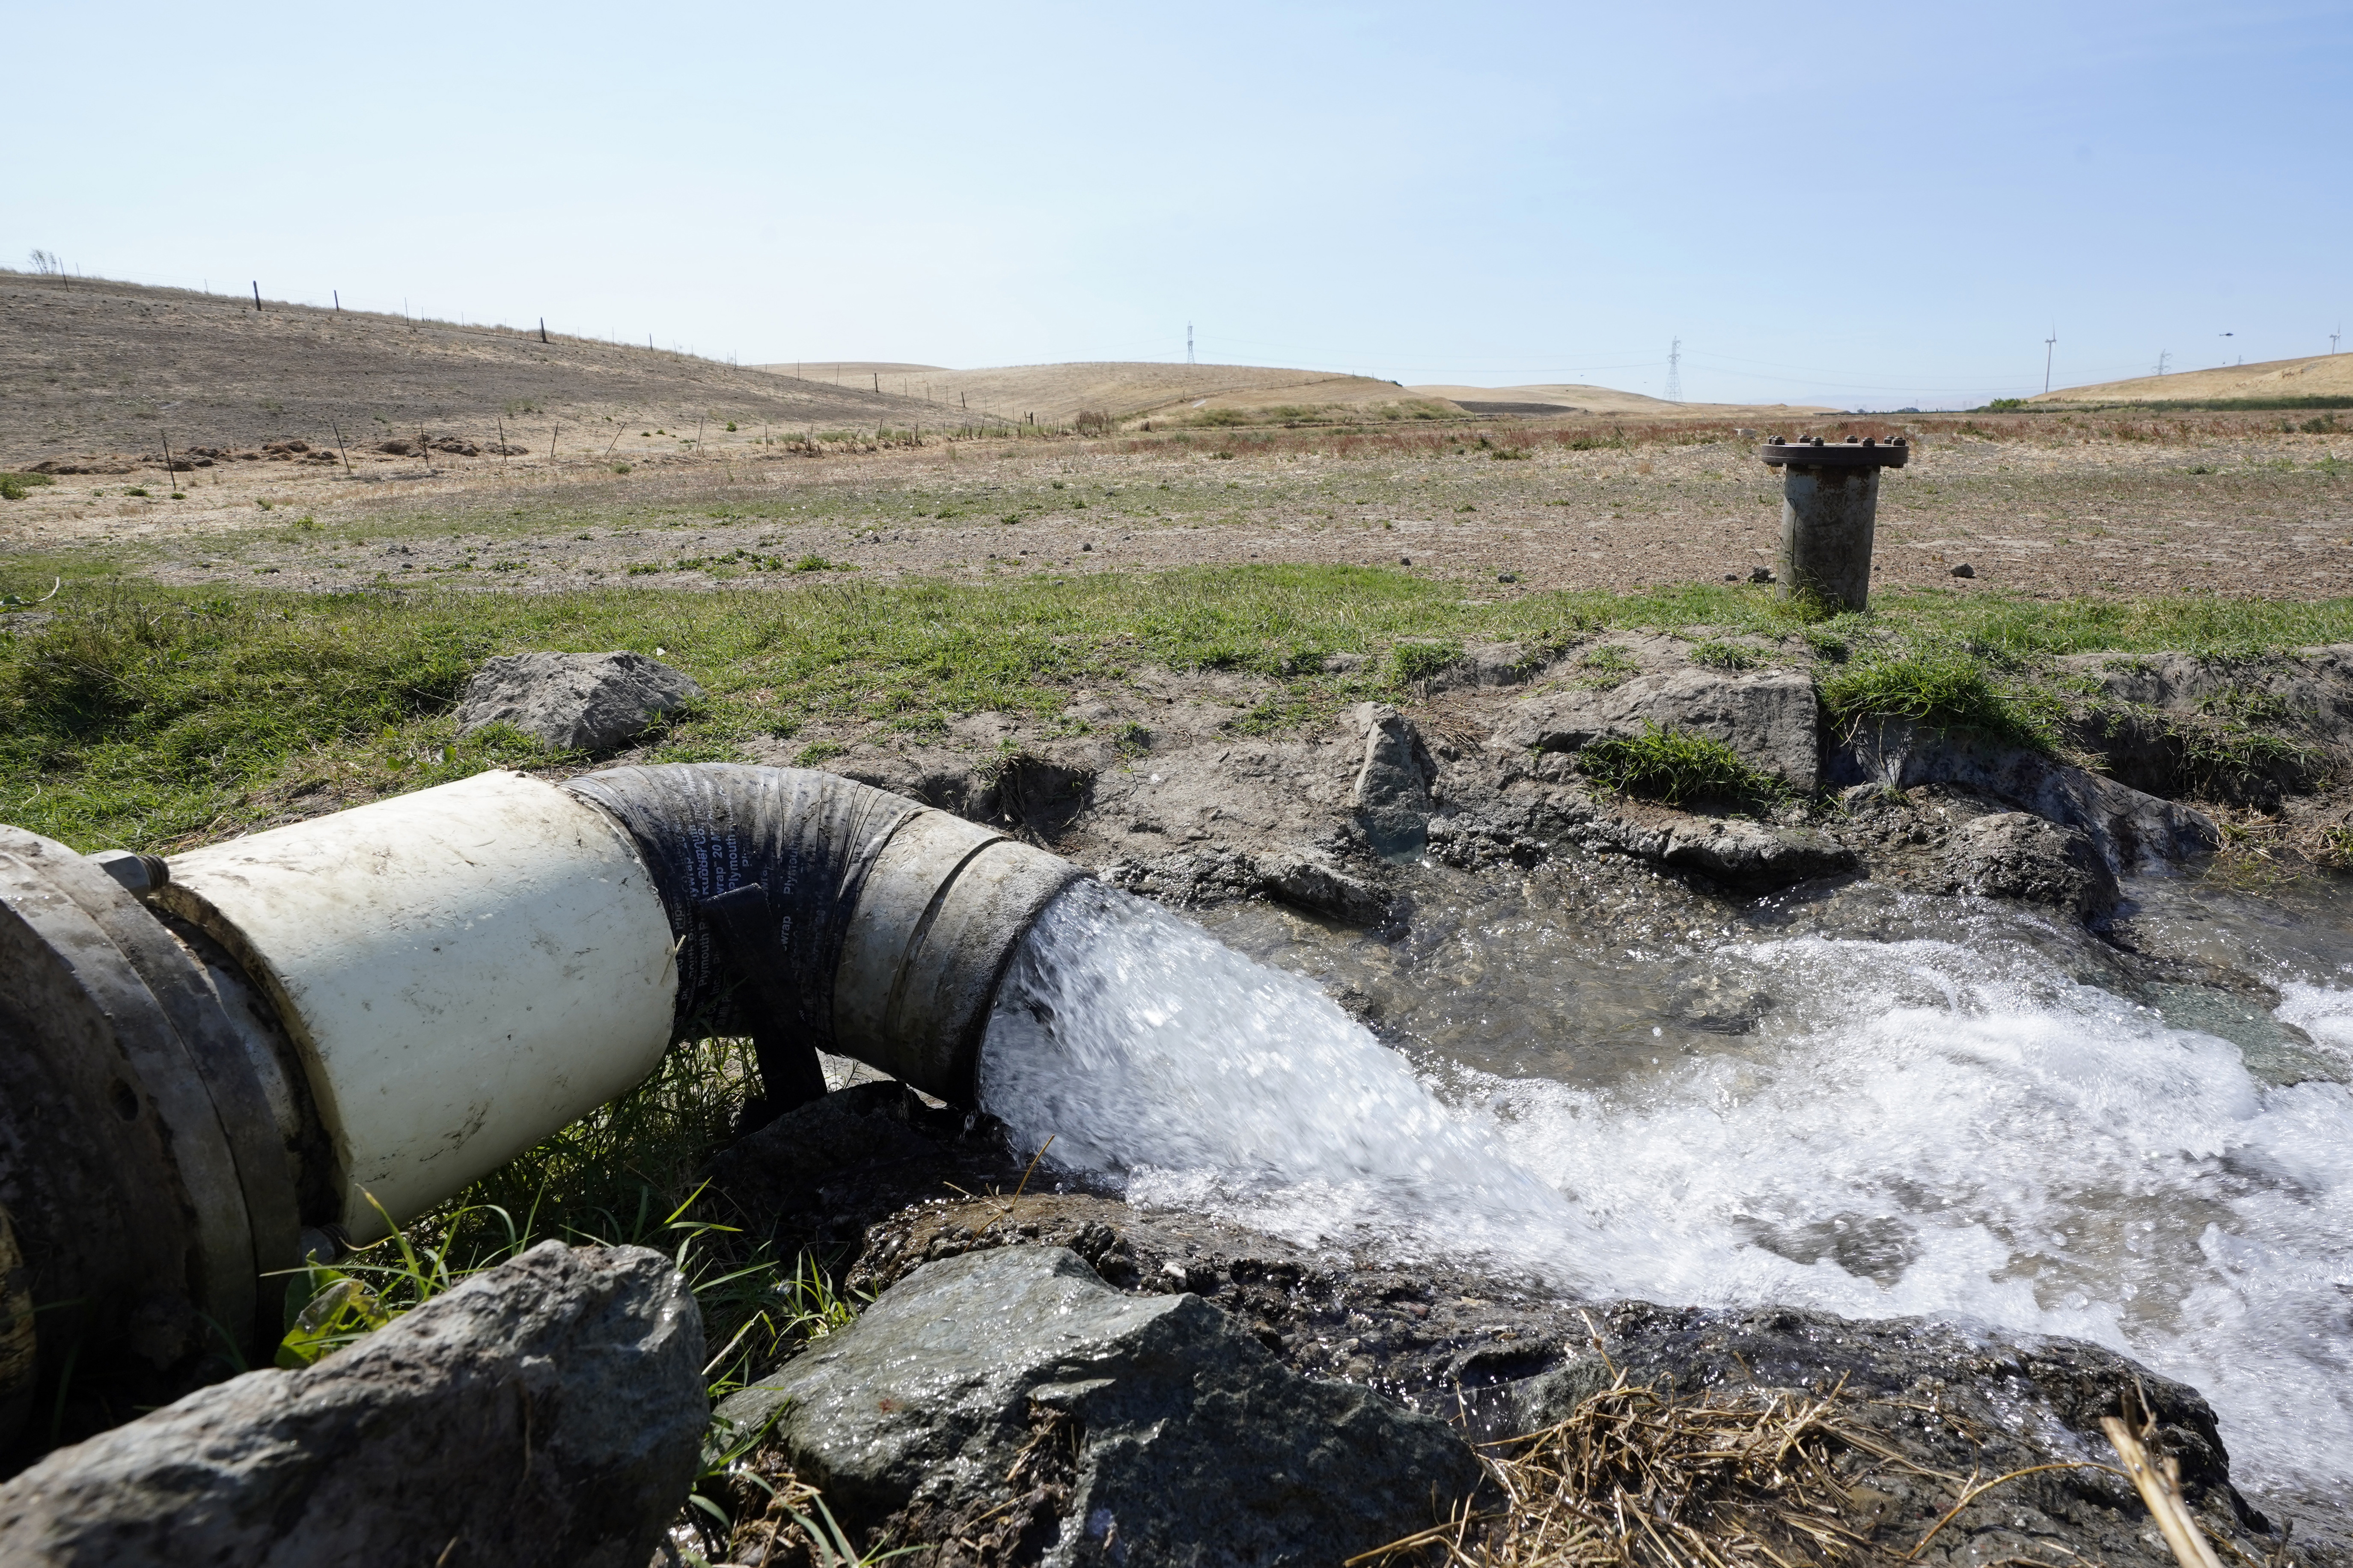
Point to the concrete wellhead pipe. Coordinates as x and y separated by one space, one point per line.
215 1065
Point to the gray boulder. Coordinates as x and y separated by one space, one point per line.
2129 829
1770 717
1193 1444
579 701
2017 855
1310 882
549 1411
1392 794
1750 854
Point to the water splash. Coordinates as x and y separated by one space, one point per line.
1154 1054
1951 1127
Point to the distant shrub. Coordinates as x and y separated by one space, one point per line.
14 487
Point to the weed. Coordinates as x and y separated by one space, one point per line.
819 563
731 424
140 491
1131 739
818 752
1717 654
1609 664
620 468
14 487
1674 766
1941 688
642 569
1416 661
2334 848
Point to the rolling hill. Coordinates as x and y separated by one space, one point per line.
89 367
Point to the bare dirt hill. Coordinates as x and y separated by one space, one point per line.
1125 389
2322 376
91 367
1572 398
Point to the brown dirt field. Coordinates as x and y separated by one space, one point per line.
2321 375
89 368
2035 505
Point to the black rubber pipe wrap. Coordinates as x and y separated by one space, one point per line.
892 922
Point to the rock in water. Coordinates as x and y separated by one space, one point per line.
1770 717
1392 795
580 702
2017 855
549 1411
1193 1444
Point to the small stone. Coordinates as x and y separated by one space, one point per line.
2017 855
1507 577
1965 569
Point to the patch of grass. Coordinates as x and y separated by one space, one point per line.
151 716
1941 688
819 563
1674 766
15 487
1416 661
1717 654
1609 664
817 752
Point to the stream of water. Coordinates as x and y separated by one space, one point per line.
1873 1103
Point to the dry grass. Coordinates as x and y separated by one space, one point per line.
1637 1478
1742 1478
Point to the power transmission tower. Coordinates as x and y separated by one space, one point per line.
2335 335
1675 371
1188 343
2049 345
2163 355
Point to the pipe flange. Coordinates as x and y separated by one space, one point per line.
1852 453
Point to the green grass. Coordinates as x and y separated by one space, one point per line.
1674 766
1940 688
15 487
1717 654
149 717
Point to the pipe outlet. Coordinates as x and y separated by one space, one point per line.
214 1064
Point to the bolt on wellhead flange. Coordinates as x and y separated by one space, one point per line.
1829 502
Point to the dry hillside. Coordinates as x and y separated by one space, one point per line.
2322 376
90 367
1127 390
1579 399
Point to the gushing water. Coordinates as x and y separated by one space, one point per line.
1956 1125
1150 1051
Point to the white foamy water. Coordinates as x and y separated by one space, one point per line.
1922 1128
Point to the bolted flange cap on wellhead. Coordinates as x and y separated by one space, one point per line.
1813 452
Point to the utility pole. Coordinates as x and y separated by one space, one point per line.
1188 343
2049 345
1675 371
2335 335
2163 355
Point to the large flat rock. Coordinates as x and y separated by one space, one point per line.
549 1411
1194 1444
1770 717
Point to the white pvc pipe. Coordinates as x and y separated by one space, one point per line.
463 969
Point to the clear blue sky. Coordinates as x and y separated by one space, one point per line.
1865 206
